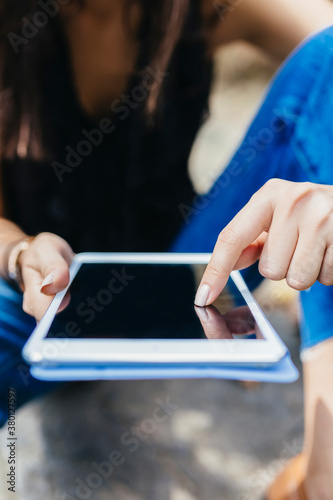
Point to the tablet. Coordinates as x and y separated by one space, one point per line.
284 371
139 309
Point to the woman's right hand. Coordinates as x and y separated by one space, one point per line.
45 272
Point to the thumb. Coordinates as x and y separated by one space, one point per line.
55 276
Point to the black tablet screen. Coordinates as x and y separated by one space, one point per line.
149 301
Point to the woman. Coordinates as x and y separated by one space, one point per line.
101 101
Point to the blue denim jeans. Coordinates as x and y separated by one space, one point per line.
290 138
15 328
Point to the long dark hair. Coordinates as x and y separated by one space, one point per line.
21 61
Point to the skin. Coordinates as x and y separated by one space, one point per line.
97 35
318 438
103 58
303 212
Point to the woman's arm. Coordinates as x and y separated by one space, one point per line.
276 26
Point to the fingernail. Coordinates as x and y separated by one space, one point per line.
203 314
202 295
47 281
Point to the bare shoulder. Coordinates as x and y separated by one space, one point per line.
277 27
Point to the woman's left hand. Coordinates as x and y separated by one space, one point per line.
288 226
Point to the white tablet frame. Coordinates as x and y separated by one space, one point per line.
76 351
